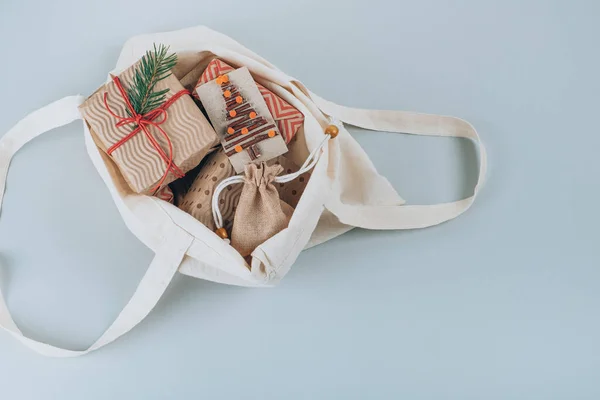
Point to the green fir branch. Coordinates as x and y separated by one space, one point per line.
155 66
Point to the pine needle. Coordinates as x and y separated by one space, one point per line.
155 66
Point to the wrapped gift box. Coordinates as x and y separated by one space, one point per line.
181 131
288 119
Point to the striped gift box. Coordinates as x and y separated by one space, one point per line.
288 119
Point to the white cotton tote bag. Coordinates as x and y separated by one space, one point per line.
345 190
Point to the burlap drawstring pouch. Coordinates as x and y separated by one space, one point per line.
260 213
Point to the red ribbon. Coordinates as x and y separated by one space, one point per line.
143 122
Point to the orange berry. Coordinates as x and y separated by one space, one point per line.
252 115
239 99
225 78
238 149
244 131
232 113
230 130
227 93
271 133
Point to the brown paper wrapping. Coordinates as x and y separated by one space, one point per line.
138 161
290 192
198 199
190 79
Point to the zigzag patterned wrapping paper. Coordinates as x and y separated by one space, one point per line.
288 119
140 164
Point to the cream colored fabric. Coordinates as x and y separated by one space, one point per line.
170 250
376 216
344 190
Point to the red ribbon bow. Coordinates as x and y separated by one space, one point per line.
143 122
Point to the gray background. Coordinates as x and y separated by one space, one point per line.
501 303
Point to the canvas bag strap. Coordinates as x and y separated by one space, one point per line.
404 216
163 267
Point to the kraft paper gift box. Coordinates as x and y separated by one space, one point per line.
181 132
289 120
241 119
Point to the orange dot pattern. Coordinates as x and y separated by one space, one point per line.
198 197
223 79
243 120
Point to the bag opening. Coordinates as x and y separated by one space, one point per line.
189 68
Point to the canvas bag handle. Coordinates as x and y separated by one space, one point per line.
161 271
403 216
